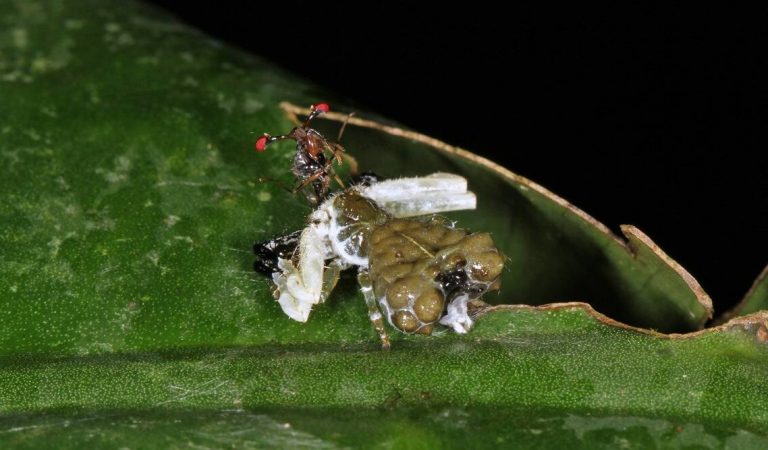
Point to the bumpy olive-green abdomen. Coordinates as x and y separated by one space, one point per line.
415 266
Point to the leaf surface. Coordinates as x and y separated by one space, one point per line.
131 315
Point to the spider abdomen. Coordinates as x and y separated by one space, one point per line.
418 267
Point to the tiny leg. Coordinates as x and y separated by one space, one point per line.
308 180
344 126
330 278
319 184
373 309
338 180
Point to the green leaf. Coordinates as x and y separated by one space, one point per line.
755 300
131 316
557 373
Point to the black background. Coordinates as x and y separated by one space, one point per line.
653 117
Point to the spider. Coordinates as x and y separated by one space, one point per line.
310 165
415 269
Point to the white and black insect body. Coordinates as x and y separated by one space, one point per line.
413 272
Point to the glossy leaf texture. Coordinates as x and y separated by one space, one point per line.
551 376
131 315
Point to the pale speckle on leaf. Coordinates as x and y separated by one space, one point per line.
252 104
54 244
74 24
102 224
189 81
186 239
225 103
154 257
120 173
148 60
33 134
20 38
171 220
124 39
49 111
112 27
93 94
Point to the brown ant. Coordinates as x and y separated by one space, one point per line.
310 164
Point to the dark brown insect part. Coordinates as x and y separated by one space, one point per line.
311 167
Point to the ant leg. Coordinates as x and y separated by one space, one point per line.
308 180
366 286
338 180
344 126
320 188
337 151
277 182
330 278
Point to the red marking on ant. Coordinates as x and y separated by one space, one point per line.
322 107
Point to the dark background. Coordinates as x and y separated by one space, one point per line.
653 117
